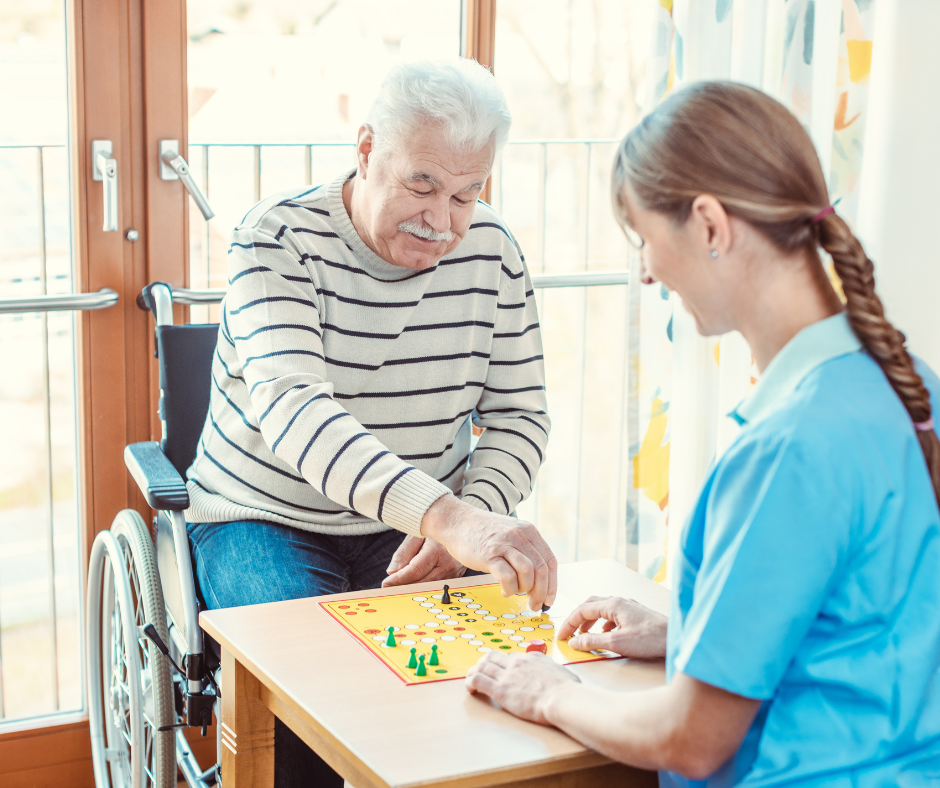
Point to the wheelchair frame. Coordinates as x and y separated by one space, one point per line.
194 689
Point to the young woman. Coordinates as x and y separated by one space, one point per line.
803 646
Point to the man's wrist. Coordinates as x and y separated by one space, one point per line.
437 518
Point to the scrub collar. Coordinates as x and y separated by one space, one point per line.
814 345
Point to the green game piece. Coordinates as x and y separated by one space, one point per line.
390 641
421 671
412 661
433 660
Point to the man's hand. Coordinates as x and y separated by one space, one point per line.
512 550
629 629
522 684
419 560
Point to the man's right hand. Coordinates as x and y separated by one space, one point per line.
512 550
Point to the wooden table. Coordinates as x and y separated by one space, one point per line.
292 661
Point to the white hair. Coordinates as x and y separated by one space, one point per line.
458 93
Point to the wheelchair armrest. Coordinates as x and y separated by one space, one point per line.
158 480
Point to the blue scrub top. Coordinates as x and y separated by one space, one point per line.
809 577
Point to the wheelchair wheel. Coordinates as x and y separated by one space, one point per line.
129 687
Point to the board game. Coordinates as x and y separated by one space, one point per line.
438 640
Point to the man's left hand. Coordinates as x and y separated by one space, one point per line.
522 684
420 560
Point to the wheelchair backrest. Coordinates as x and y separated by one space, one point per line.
185 354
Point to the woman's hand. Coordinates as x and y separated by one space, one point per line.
420 560
522 684
629 629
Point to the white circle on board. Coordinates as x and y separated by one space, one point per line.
394 629
427 604
483 612
428 640
379 637
546 626
465 635
437 596
489 618
510 615
476 642
467 601
419 599
474 607
430 624
452 622
408 643
411 626
508 631
527 629
434 610
443 616
484 649
516 637
448 638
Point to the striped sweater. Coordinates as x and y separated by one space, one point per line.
344 387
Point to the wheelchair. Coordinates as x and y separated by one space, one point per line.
151 671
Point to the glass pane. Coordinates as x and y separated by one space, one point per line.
573 74
40 598
277 92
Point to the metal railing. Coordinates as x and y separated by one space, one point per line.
67 302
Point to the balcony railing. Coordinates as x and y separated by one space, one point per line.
552 193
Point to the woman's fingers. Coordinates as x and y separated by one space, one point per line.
585 613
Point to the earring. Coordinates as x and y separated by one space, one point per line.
714 253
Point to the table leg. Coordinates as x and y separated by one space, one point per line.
247 729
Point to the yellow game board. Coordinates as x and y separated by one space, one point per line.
478 619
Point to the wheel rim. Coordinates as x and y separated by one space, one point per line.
118 686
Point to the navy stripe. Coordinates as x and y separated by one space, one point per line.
270 300
414 393
533 421
289 504
433 456
462 324
292 204
511 306
228 372
404 424
511 334
459 466
279 397
255 245
323 426
474 495
320 233
257 383
501 473
238 410
364 334
508 410
276 326
374 304
362 473
517 459
280 232
252 457
494 226
400 361
354 270
521 435
294 418
467 291
496 258
388 487
510 274
495 487
281 353
514 391
516 363
262 268
346 445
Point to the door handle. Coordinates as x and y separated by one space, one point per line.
173 166
104 168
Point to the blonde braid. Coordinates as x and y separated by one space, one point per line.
882 340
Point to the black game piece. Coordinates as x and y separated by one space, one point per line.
445 599
546 608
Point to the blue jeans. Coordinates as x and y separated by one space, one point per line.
250 562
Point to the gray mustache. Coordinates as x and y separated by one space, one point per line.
423 231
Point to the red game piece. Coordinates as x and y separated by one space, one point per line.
537 645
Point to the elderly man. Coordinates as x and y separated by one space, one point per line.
368 323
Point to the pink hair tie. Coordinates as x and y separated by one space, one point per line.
924 426
823 214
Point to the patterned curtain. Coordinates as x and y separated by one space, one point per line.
815 57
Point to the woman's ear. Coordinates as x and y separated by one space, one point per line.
364 149
711 224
